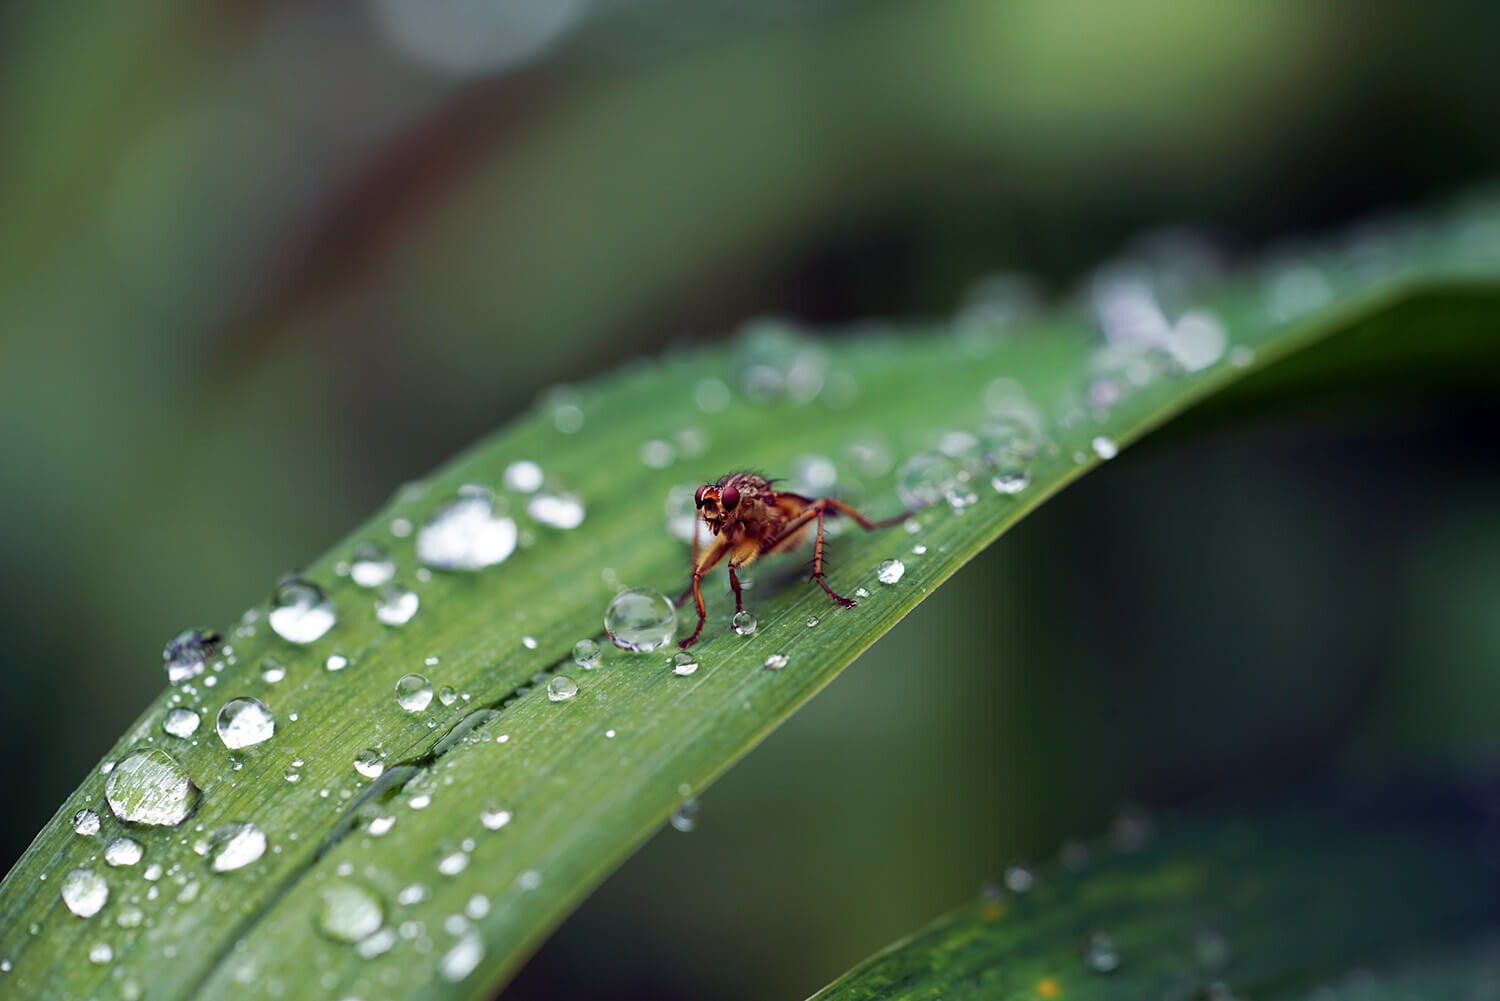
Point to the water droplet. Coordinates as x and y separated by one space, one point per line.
658 454
101 952
272 670
684 663
1020 878
86 822
350 913
413 693
1197 340
453 863
371 565
776 661
920 549
586 654
186 655
711 395
1295 291
681 512
743 623
234 846
926 478
466 534
148 787
560 688
774 360
460 961
447 695
1100 953
556 508
477 907
244 722
1011 481
300 611
685 817
1241 356
1104 447
640 620
180 722
123 851
369 763
890 571
814 475
870 455
529 880
130 916
494 816
812 622
523 476
610 733
861 592
396 605
566 407
85 892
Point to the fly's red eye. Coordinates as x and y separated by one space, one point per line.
698 497
730 497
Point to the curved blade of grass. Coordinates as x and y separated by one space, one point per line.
1248 904
588 779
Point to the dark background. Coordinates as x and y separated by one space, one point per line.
262 262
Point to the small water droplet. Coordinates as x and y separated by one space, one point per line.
369 763
272 670
84 891
685 817
130 916
400 527
1100 953
560 688
300 611
557 509
1104 447
494 816
919 549
684 663
86 822
640 620
1197 340
460 960
413 693
566 407
812 621
101 952
244 722
529 880
890 571
711 395
861 592
148 787
453 863
658 454
477 907
586 654
681 512
234 846
466 534
926 478
610 733
123 851
336 662
1020 878
396 605
814 475
180 722
291 774
776 661
523 476
371 565
447 695
529 642
744 623
349 913
186 655
1011 481
1241 356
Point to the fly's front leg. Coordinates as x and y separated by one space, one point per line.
734 582
698 601
818 563
710 559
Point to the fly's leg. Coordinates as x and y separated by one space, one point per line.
734 582
698 601
818 564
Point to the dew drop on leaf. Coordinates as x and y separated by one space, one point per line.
413 693
640 620
300 611
149 787
244 722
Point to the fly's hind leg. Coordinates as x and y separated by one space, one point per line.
818 564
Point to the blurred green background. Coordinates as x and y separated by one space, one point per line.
261 262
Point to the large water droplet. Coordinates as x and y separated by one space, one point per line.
123 851
890 571
640 620
350 913
560 688
369 763
743 623
466 534
187 654
586 654
523 476
244 722
684 663
556 508
413 693
234 846
148 787
685 817
371 565
85 892
180 722
396 605
86 822
300 611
